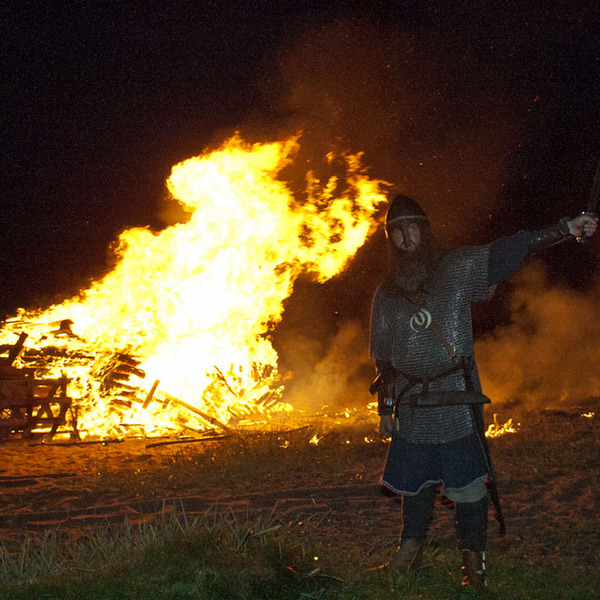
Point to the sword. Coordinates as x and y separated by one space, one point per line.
592 205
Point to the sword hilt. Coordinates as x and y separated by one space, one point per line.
582 239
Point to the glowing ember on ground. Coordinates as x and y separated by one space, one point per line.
190 308
314 440
588 415
495 429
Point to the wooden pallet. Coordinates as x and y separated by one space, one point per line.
29 405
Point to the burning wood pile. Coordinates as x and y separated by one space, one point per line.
177 336
33 404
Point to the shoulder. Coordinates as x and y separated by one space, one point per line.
467 253
465 256
385 296
387 288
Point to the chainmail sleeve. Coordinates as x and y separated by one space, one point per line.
381 331
470 266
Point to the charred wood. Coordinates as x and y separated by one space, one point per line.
150 394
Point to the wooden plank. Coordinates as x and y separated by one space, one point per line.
151 394
212 420
8 373
33 403
16 349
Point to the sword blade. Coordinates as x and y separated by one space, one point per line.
592 206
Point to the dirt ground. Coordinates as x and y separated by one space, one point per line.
548 480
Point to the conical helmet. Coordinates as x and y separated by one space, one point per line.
403 210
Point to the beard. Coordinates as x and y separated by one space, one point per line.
412 270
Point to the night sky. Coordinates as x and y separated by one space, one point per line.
486 112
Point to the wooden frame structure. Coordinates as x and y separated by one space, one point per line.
28 403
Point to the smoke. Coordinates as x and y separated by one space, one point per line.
550 351
547 354
328 374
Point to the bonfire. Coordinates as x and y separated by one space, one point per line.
176 338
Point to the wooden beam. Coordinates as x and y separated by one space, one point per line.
16 349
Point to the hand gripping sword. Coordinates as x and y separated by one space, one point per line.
592 206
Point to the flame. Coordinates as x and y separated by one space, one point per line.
495 429
190 308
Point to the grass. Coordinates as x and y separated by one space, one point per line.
547 472
215 556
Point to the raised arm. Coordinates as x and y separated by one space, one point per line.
507 254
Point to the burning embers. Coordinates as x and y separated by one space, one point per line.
176 336
497 429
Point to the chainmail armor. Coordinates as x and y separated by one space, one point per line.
459 279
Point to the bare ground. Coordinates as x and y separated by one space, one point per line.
548 479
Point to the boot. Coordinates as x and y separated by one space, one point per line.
473 570
408 558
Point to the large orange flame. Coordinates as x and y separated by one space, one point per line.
195 302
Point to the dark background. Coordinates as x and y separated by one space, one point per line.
486 112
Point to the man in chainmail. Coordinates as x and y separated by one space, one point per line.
430 398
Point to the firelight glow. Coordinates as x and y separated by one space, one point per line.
194 304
